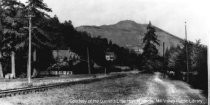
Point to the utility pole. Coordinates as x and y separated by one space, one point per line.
186 43
164 58
29 50
88 60
29 44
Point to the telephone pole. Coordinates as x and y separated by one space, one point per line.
29 50
88 60
186 43
164 58
29 44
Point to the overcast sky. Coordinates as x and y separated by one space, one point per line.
166 14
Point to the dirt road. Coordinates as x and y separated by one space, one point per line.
167 92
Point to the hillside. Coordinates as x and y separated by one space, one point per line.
130 34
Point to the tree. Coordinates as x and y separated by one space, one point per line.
37 8
11 32
13 19
1 34
150 55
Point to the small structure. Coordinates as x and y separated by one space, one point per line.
138 50
60 55
110 56
62 65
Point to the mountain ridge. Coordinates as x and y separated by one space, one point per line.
129 34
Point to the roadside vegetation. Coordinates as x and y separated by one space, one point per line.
197 63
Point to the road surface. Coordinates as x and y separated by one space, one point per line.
168 92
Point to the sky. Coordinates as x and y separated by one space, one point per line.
168 15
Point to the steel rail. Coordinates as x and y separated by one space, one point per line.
34 89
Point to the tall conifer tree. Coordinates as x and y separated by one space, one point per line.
38 9
150 54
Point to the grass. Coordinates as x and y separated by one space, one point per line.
107 91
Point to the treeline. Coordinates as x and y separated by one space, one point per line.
48 34
67 37
178 61
196 58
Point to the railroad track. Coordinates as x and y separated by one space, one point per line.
34 89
